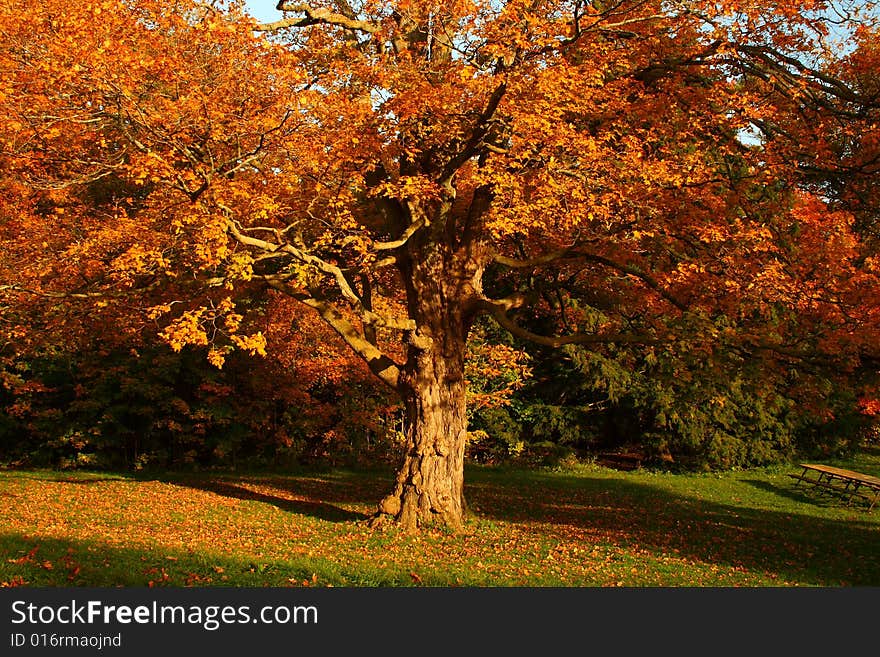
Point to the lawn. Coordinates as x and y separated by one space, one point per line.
585 526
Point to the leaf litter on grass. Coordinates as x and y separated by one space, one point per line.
534 529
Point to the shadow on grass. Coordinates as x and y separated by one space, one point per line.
788 541
310 494
794 545
791 543
306 496
42 561
86 480
799 494
337 486
307 507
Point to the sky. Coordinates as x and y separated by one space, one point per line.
263 10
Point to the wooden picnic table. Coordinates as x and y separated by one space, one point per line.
847 484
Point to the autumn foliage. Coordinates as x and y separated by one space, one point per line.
692 184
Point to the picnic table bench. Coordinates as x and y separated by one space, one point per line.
846 484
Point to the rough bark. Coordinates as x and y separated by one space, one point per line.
429 486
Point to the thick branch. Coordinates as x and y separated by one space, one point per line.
108 294
396 244
778 60
498 312
273 249
53 295
317 16
380 364
480 130
279 281
643 276
306 258
547 258
631 270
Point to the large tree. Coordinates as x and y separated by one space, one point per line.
403 167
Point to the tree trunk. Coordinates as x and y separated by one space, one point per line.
430 483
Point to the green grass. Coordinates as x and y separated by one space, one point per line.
586 526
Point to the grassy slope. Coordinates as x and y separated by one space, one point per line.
585 527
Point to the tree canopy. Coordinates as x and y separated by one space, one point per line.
691 179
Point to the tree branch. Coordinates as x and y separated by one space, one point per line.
573 253
777 60
498 311
396 244
316 16
643 276
108 294
480 130
516 263
381 365
53 295
306 258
